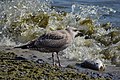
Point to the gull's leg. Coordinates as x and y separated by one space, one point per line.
53 59
58 59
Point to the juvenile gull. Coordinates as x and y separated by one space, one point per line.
54 42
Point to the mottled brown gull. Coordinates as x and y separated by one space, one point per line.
54 42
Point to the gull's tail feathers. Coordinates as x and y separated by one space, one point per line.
27 46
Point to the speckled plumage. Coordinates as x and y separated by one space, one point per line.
54 41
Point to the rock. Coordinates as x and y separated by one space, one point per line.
86 27
27 27
40 61
112 37
115 60
106 26
112 53
70 66
12 68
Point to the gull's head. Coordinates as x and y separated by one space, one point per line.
73 31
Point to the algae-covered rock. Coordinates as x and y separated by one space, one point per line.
106 26
115 36
88 43
9 55
27 27
3 20
88 27
105 40
108 39
112 53
31 25
59 16
56 20
20 69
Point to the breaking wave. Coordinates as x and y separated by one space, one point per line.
24 20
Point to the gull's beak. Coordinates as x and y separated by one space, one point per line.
79 34
76 32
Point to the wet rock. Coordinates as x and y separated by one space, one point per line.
94 64
25 28
5 56
86 27
106 26
70 66
88 43
108 39
19 58
115 36
40 61
24 69
112 53
115 60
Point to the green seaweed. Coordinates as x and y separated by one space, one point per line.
108 39
89 24
26 70
111 53
106 26
115 36
23 28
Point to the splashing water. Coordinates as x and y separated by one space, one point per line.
24 20
94 12
82 49
14 15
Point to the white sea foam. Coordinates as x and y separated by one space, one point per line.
81 49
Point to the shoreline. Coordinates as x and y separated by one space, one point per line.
111 72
